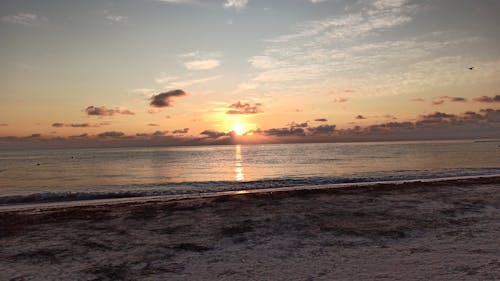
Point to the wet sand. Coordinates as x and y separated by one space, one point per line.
415 231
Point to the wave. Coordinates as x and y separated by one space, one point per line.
187 188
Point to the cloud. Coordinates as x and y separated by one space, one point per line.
174 82
484 123
486 99
384 128
440 100
388 4
322 129
21 18
340 100
321 120
458 99
181 131
155 134
104 111
284 132
299 130
235 4
213 134
159 133
202 64
349 48
115 18
74 125
298 125
111 134
153 124
79 136
360 117
82 125
244 108
262 62
491 115
177 1
4 124
166 99
418 100
200 60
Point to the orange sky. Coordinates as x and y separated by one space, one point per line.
159 72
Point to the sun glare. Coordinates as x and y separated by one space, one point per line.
239 129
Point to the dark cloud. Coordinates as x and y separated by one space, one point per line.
298 125
165 99
159 133
244 108
299 130
435 118
487 99
438 114
82 125
104 111
360 117
322 129
213 134
340 100
442 99
284 132
79 136
484 123
111 134
391 126
58 125
179 131
153 124
4 124
321 120
388 116
74 125
458 99
491 115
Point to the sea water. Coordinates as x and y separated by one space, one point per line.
77 174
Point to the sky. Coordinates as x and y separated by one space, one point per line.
175 72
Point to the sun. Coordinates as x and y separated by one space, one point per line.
239 129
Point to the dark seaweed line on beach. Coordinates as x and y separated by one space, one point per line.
200 188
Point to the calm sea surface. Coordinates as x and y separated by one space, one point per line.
73 174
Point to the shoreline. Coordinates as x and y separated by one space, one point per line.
446 230
167 198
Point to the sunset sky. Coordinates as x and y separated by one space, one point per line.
247 71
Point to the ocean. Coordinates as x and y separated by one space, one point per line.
79 174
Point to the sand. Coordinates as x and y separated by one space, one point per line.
416 231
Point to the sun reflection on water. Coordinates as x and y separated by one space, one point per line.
238 165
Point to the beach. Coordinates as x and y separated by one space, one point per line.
442 230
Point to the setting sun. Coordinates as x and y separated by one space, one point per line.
239 129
